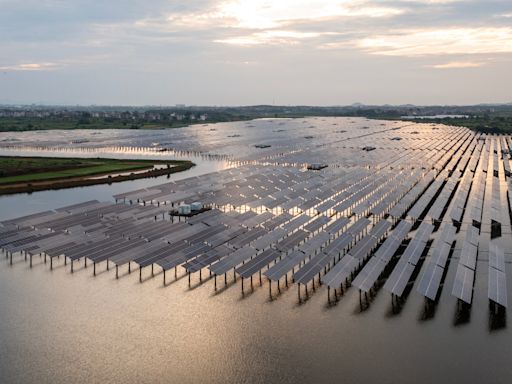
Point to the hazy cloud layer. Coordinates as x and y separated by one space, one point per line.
248 52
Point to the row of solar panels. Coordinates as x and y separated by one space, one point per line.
110 233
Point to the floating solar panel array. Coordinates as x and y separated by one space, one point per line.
423 196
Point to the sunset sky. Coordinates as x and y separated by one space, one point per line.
313 52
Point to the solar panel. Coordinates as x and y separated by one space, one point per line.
285 265
496 258
316 224
440 254
401 230
380 229
388 249
468 255
472 236
414 251
448 234
463 284
431 280
456 213
497 288
420 206
359 226
338 245
340 272
399 278
257 220
296 223
257 263
22 219
247 237
292 241
270 238
305 274
369 274
325 206
424 232
207 258
313 245
232 260
335 227
119 247
361 249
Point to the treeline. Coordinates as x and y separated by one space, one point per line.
485 118
485 123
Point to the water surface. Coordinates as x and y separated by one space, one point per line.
58 327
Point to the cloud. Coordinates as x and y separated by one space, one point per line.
172 49
272 37
433 1
457 65
440 41
30 67
262 15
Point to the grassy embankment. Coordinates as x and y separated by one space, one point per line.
26 174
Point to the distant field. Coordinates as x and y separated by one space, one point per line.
34 169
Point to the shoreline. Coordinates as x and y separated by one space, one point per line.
83 181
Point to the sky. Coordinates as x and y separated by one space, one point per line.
246 52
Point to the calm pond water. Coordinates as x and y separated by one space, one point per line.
58 327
